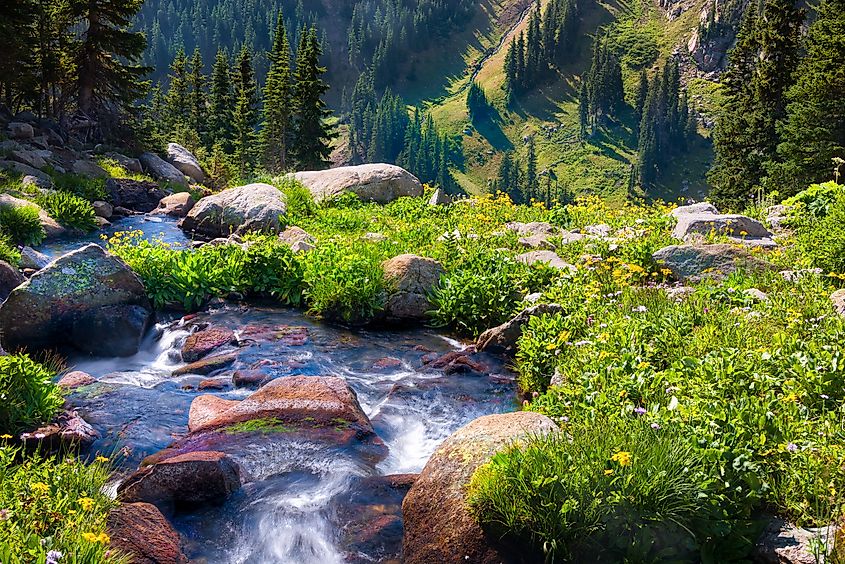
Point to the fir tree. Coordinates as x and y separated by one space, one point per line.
177 103
531 187
584 109
198 100
277 130
313 133
221 103
477 104
245 117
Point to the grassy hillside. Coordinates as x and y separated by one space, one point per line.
642 33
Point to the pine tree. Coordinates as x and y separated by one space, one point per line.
221 103
813 132
642 92
477 104
584 109
531 187
177 103
245 117
109 72
313 132
277 130
197 97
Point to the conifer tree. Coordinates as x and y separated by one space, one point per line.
531 187
313 132
198 100
277 131
109 73
584 109
477 104
177 103
245 117
642 92
813 131
221 103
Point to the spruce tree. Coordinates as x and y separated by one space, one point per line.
531 186
198 100
177 103
245 117
221 103
277 130
110 75
813 132
313 132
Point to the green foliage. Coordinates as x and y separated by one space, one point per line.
483 291
270 268
542 340
92 189
816 200
819 237
600 491
54 504
8 251
69 210
344 283
22 224
298 198
27 393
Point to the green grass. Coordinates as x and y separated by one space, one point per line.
22 225
28 394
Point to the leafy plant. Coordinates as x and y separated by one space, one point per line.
27 393
91 189
299 201
8 251
821 240
22 224
69 210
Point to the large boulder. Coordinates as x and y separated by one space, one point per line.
411 279
192 478
254 207
725 224
20 130
141 531
10 278
187 163
549 258
127 163
160 169
175 205
701 208
502 339
32 259
88 169
51 227
36 158
203 342
380 183
26 170
136 195
697 262
87 298
438 525
292 400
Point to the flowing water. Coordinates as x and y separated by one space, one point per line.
302 501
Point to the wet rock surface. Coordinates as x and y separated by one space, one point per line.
140 530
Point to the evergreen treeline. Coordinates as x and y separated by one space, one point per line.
478 106
532 56
783 122
602 92
240 126
58 59
525 184
666 123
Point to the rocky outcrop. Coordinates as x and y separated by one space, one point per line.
502 339
185 162
188 479
127 163
697 208
26 170
10 278
297 239
203 342
440 198
175 205
52 229
438 525
36 158
136 195
721 224
784 543
254 207
539 235
380 183
88 299
20 130
697 262
411 278
141 531
160 169
88 169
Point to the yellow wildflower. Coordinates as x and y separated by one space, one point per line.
86 503
40 487
623 458
101 459
5 436
90 537
608 472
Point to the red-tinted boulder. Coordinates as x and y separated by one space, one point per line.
207 365
76 379
201 343
142 532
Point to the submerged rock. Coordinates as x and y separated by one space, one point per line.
438 525
697 262
411 279
142 532
207 365
380 183
201 343
87 298
502 339
254 207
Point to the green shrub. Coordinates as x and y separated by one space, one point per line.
483 292
27 394
543 339
271 269
817 199
69 210
91 189
53 504
599 491
8 251
22 224
344 283
299 201
822 239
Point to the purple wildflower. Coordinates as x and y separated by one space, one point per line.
655 426
53 557
640 411
791 447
